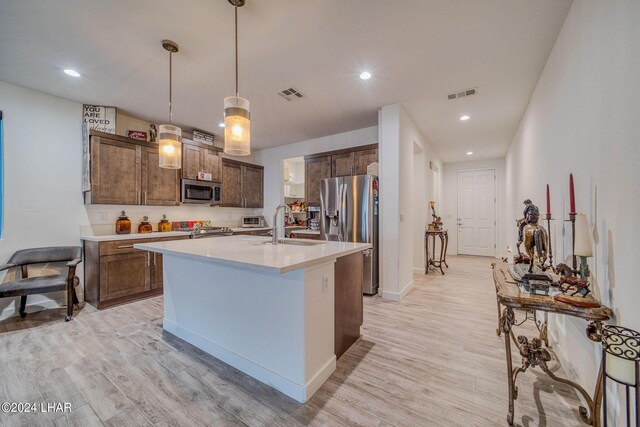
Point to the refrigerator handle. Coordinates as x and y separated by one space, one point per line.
343 208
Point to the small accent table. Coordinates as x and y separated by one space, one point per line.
533 351
429 260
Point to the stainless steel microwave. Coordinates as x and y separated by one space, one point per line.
200 192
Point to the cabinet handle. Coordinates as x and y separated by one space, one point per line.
154 258
125 246
138 197
148 259
145 197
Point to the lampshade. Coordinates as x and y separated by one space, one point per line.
583 239
170 146
237 121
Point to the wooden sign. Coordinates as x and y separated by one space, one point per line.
100 118
136 134
202 137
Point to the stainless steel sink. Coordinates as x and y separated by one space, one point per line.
296 242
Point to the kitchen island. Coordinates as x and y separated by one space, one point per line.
267 310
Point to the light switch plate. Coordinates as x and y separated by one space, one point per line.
402 217
325 283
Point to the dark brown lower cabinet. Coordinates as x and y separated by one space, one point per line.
348 314
115 272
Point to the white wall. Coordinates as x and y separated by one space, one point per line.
405 188
43 203
583 118
449 208
272 160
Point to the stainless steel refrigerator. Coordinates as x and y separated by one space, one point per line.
349 213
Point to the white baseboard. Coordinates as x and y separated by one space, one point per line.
419 270
37 303
300 392
397 296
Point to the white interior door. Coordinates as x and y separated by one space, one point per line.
477 212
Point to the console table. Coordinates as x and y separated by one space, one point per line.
533 351
429 255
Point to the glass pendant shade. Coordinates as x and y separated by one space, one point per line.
170 146
237 129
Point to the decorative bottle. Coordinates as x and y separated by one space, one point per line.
164 225
123 224
144 226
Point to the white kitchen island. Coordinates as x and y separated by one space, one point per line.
267 310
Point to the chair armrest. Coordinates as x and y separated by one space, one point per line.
6 266
74 262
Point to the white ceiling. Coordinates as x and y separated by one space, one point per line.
417 50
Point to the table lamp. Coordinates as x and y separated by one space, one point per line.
621 363
582 246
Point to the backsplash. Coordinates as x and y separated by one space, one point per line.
102 218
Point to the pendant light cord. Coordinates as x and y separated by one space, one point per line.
236 9
170 86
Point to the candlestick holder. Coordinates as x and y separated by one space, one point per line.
572 218
548 218
621 363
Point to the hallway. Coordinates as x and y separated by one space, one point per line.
432 359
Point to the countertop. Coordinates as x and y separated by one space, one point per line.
307 231
239 229
251 252
155 234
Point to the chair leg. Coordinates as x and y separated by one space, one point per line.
75 296
23 306
70 295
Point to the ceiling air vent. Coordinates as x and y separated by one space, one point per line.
463 93
290 94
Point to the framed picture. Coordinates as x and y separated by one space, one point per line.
99 117
203 137
138 135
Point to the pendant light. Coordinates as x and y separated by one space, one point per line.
170 136
237 132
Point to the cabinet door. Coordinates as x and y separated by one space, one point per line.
191 161
156 271
231 185
115 172
125 274
252 187
213 164
316 170
342 165
160 186
364 158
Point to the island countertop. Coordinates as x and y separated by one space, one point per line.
251 252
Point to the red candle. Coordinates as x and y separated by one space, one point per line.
548 202
572 196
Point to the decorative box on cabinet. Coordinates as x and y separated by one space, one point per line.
115 272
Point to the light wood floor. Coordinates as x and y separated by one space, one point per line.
432 359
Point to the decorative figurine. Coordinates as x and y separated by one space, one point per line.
153 133
436 224
533 235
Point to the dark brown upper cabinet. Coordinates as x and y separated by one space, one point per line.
200 158
242 184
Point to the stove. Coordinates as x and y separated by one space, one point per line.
198 232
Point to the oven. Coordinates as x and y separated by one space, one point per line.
204 192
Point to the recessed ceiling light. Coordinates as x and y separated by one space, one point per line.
72 73
469 153
464 118
221 124
365 75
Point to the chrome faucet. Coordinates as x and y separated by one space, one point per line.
275 222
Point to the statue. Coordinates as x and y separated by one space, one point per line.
533 236
436 224
153 133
